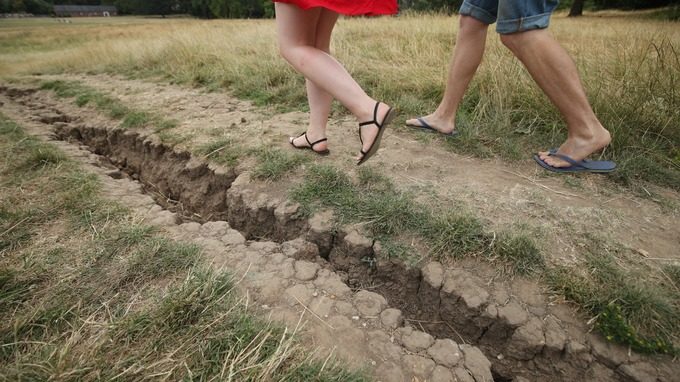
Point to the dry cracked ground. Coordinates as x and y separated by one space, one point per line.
446 320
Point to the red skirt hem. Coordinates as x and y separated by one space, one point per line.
375 8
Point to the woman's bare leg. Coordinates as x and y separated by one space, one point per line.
319 100
296 29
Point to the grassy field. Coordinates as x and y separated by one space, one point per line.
630 68
87 293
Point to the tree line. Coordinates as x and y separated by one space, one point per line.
265 8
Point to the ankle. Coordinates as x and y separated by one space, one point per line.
314 133
594 134
367 113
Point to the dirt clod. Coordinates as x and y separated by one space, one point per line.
369 304
391 318
415 340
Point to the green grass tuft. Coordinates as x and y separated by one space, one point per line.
628 309
520 251
387 212
273 163
222 151
135 119
672 271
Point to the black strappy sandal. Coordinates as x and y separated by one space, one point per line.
311 145
389 116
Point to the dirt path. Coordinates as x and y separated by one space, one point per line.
523 333
501 193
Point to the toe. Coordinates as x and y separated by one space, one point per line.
556 162
413 122
295 141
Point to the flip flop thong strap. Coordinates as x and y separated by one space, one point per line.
571 161
424 124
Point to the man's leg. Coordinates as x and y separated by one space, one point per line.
466 59
555 72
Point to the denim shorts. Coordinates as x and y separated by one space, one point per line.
511 16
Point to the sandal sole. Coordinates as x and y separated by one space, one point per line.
376 144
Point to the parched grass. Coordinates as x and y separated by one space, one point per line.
388 212
629 65
672 271
130 117
88 294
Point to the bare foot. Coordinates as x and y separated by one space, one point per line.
368 133
443 125
313 136
578 148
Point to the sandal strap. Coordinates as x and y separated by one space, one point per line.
311 145
375 117
373 122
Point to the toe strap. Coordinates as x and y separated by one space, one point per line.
571 161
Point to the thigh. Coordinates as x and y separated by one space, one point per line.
324 29
295 26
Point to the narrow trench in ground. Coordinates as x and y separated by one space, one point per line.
390 278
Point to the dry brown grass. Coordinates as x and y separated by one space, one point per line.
630 67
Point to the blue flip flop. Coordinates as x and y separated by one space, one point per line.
586 165
424 126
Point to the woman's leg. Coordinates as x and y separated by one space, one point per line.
319 100
294 28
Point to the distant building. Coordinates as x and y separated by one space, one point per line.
85 10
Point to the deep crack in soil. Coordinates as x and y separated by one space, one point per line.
512 322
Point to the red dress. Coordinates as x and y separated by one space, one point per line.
349 7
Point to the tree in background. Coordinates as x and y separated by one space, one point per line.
36 7
576 8
265 8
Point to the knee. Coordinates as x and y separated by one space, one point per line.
522 40
296 55
469 24
290 53
285 52
512 41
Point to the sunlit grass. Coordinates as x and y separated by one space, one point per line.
630 68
